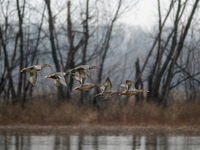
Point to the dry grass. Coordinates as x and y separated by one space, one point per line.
46 112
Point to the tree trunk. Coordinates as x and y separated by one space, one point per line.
105 46
70 58
61 94
166 86
51 29
158 71
138 83
20 18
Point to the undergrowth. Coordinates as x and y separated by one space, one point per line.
47 112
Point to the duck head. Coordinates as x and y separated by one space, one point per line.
46 65
94 67
145 91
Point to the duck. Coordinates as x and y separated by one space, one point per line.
33 72
58 78
130 89
106 90
82 70
84 82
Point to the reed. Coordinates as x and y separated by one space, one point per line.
48 112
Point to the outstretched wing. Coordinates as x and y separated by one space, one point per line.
27 69
33 77
108 85
83 73
62 81
81 69
56 83
86 80
77 79
131 85
60 78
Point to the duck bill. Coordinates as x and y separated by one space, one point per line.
121 93
49 66
76 89
47 76
97 95
23 70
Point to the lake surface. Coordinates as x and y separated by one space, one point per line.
43 140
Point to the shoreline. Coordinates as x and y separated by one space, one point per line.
99 129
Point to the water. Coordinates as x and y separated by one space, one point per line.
95 141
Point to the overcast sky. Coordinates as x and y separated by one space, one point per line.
145 13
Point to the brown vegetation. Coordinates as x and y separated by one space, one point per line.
47 112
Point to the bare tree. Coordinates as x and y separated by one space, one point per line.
51 31
33 57
166 65
106 42
20 18
166 86
8 66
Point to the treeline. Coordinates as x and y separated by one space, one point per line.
68 34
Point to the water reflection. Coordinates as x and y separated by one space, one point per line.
13 141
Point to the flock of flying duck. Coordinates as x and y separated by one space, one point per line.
83 79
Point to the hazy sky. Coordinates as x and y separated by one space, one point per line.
145 13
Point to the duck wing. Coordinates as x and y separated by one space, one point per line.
83 67
37 67
33 77
77 79
108 85
60 78
86 80
27 69
56 83
131 85
62 81
83 73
